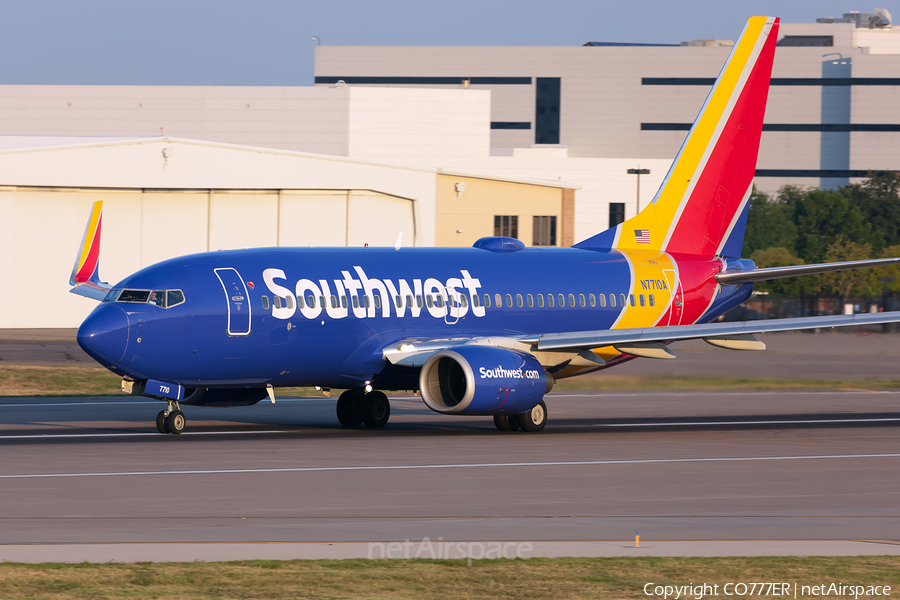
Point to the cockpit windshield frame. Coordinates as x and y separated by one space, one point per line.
160 298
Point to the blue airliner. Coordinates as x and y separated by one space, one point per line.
485 330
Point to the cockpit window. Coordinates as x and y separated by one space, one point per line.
111 295
160 298
134 296
174 298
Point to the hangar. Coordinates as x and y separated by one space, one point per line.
166 197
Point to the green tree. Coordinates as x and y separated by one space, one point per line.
821 216
844 283
769 225
777 257
878 199
892 271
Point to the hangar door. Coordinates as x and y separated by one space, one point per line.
344 218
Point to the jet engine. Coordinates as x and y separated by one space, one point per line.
482 380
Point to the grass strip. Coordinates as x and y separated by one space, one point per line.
23 380
537 578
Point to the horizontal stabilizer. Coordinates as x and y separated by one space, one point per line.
795 271
578 340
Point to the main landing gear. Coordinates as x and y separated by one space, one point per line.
171 421
355 407
533 420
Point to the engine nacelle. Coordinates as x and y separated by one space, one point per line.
482 380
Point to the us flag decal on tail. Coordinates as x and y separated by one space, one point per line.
642 236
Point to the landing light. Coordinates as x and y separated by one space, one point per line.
407 348
368 388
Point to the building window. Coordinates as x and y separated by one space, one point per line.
506 225
616 213
543 231
547 103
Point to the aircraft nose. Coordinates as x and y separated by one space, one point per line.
104 334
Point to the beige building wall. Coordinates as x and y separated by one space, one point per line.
465 216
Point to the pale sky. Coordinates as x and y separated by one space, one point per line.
269 42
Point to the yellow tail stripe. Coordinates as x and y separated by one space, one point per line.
89 234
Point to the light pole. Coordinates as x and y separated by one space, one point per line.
639 171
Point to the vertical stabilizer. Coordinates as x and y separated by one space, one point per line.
699 206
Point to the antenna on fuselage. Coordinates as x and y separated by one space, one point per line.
399 241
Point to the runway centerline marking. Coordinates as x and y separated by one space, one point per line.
791 422
579 463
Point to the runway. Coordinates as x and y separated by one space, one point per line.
787 465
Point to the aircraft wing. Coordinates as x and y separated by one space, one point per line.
650 342
85 277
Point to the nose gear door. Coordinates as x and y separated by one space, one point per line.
237 301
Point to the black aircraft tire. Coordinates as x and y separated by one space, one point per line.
161 422
175 422
514 422
376 409
502 422
535 419
348 412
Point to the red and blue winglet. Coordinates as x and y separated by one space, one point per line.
85 277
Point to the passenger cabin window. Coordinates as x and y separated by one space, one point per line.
509 300
290 302
419 300
550 300
265 302
519 300
562 301
612 300
428 301
581 300
652 300
498 300
277 301
487 300
572 300
592 300
321 301
301 304
409 301
475 300
377 298
631 299
529 300
464 301
540 300
622 300
602 298
333 301
641 298
311 301
343 302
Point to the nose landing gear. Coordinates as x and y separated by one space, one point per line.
171 421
